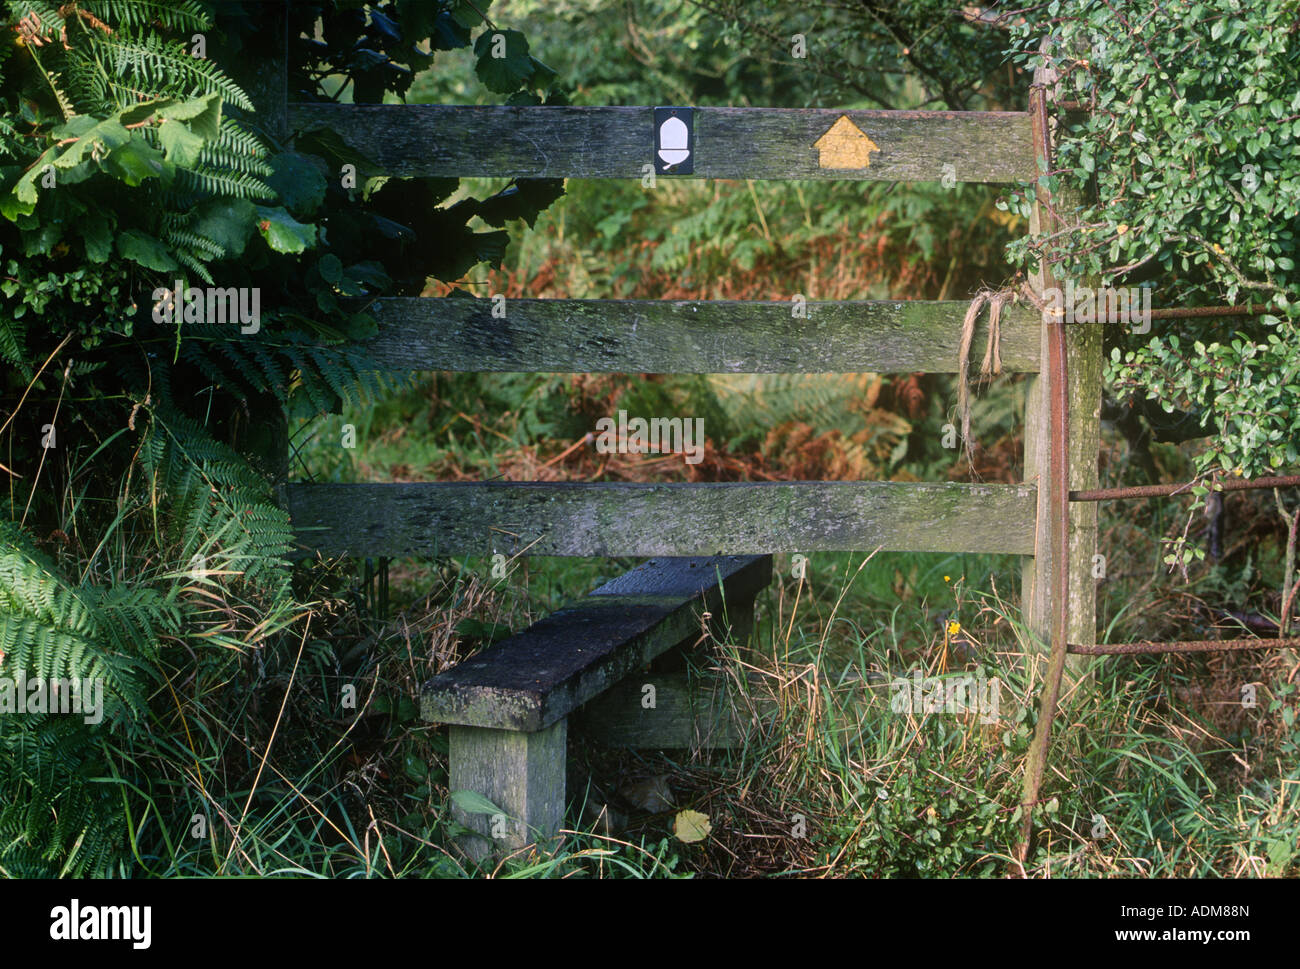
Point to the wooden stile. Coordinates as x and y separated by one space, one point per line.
573 655
509 705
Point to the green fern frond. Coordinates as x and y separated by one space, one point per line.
136 617
50 628
211 181
777 398
13 344
192 261
176 236
221 508
217 158
46 14
57 815
149 61
235 139
276 381
311 381
171 14
54 79
29 585
195 352
10 143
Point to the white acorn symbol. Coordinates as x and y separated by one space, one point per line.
673 139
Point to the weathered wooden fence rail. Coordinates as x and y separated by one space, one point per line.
690 336
430 140
638 519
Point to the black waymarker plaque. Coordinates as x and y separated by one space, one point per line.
674 141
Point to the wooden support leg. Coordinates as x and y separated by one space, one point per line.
741 615
687 711
686 714
521 773
737 626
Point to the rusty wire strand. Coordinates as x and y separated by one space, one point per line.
1189 646
1179 490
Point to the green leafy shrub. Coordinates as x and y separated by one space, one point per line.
1190 144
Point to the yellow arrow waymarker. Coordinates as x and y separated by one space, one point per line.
845 145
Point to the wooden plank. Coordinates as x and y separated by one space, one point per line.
429 140
627 518
521 773
696 713
690 577
535 678
704 336
707 711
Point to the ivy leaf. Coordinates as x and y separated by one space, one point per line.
365 59
386 27
145 250
12 206
142 111
523 200
98 238
469 14
75 127
137 160
103 137
78 173
43 241
490 247
370 274
390 229
417 18
542 76
448 33
25 190
337 152
282 231
331 269
509 71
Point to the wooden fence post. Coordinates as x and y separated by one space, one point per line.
1083 368
265 435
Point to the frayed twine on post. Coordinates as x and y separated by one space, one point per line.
992 363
